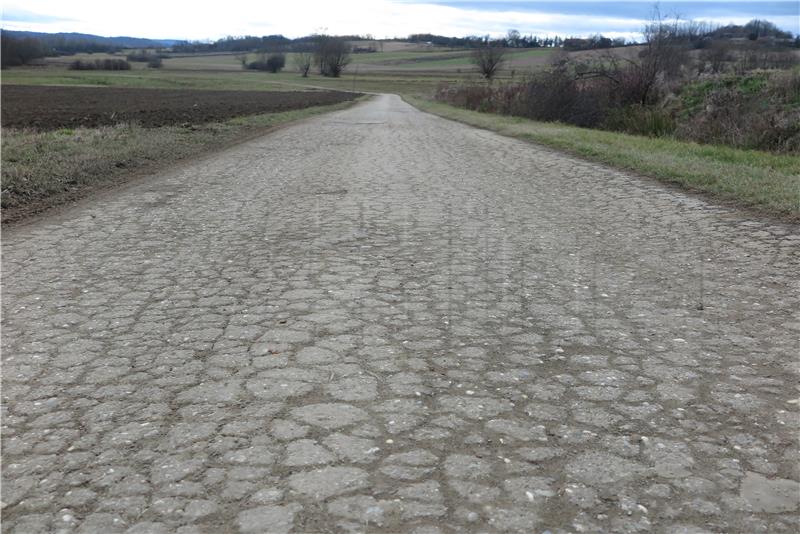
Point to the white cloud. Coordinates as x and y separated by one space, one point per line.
206 19
203 19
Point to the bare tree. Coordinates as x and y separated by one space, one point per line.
512 38
331 55
664 53
302 60
488 58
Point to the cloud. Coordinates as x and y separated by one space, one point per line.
22 15
210 19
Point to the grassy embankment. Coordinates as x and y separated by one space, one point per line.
45 169
762 181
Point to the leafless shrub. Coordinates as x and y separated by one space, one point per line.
635 80
488 58
302 61
331 55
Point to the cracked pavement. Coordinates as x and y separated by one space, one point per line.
379 320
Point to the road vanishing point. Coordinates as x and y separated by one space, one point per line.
377 320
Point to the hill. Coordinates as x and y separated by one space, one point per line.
115 42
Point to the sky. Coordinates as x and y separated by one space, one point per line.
212 19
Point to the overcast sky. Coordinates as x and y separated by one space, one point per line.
203 19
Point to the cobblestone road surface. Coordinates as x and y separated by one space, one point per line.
378 320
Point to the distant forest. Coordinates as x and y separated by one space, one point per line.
21 48
697 31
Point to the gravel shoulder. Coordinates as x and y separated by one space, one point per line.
378 319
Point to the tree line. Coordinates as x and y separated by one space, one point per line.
18 50
246 43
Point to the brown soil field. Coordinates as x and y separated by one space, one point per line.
50 107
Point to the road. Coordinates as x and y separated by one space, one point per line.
379 320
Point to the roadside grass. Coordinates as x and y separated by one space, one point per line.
44 169
765 182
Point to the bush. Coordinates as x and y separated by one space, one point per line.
554 95
272 63
759 111
276 62
155 62
100 64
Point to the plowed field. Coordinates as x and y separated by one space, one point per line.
51 107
